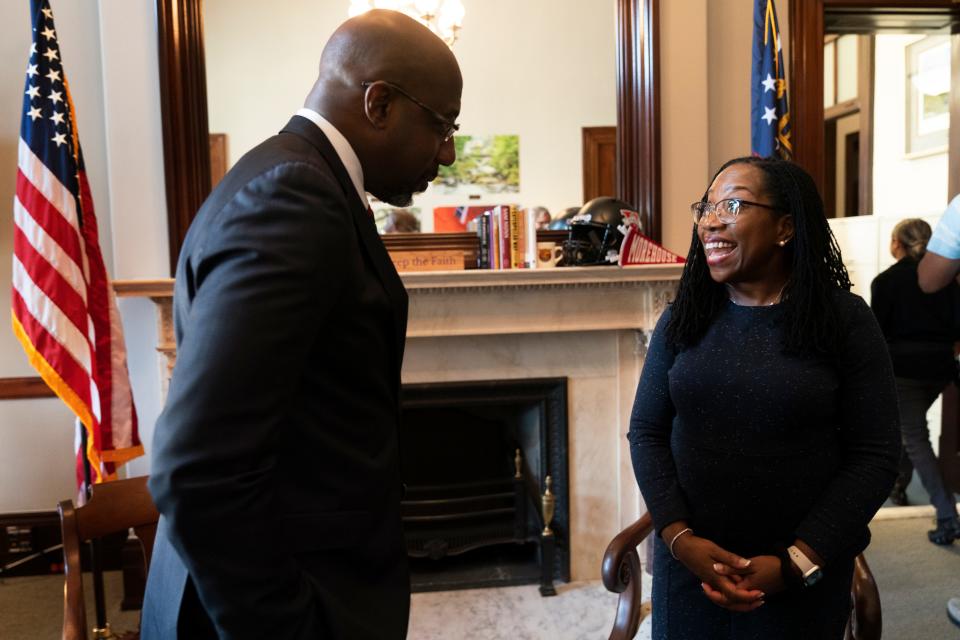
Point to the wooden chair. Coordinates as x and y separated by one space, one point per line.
113 506
621 574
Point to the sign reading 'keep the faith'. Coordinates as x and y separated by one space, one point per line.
439 260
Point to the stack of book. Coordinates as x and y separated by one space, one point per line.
508 239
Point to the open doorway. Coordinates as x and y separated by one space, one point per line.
886 131
848 73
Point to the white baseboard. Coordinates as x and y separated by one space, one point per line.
899 513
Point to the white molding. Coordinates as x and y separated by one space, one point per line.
530 278
913 511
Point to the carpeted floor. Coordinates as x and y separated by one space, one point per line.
31 608
915 578
579 611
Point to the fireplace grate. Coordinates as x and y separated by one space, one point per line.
448 520
477 459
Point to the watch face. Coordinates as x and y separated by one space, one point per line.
812 577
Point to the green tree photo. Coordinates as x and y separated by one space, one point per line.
490 163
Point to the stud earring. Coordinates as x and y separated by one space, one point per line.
782 243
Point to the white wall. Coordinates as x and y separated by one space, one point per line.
134 138
729 47
542 69
903 186
684 115
134 141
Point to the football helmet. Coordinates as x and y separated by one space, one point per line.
596 232
561 222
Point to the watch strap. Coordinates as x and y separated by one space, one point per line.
800 559
810 571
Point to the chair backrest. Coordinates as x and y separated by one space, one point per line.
621 574
112 507
866 618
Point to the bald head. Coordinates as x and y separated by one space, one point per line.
392 88
384 45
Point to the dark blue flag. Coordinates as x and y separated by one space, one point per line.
769 111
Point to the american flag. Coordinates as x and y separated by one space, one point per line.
64 311
769 110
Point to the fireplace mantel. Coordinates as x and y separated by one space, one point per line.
475 279
482 302
481 279
485 302
587 324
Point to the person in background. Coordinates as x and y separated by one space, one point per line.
276 462
541 215
764 431
920 330
401 221
941 262
938 268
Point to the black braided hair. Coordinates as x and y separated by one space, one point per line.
811 322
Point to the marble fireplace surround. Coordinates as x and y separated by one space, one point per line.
589 324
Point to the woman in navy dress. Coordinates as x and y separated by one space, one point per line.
764 433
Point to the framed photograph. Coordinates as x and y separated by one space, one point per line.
485 165
928 95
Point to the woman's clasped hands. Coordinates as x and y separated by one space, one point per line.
728 580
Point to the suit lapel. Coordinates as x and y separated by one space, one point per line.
366 229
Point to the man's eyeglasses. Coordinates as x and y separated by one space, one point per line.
450 127
725 210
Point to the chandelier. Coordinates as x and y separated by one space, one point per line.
443 17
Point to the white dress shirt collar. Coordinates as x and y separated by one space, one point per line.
340 144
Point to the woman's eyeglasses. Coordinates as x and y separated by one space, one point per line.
725 210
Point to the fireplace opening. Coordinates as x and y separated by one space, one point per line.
477 459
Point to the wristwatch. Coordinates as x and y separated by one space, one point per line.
811 573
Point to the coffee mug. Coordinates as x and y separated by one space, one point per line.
548 254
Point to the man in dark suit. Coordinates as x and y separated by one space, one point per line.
275 461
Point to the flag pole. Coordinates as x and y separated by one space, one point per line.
102 629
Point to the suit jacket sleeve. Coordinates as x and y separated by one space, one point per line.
263 272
